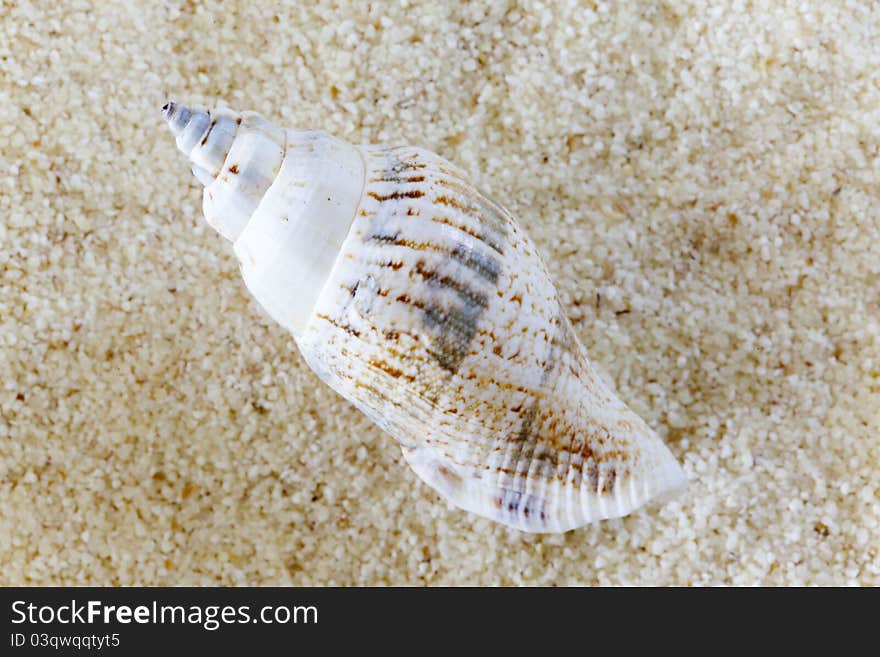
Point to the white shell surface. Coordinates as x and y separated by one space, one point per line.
249 168
294 236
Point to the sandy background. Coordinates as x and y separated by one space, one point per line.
702 182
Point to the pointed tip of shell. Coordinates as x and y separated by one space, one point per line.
177 116
193 128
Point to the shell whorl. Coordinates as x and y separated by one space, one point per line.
440 322
286 198
203 136
423 302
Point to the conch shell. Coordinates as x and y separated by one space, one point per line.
423 303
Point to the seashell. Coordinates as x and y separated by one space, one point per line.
422 302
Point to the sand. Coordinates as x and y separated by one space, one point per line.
703 183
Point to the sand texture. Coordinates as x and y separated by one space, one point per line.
702 182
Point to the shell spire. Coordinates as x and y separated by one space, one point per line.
198 136
424 303
209 138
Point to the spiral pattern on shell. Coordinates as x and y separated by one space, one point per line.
425 304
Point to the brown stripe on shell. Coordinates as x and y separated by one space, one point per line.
393 196
398 179
345 327
451 201
391 370
609 480
208 133
395 239
480 237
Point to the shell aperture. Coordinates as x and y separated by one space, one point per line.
424 303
